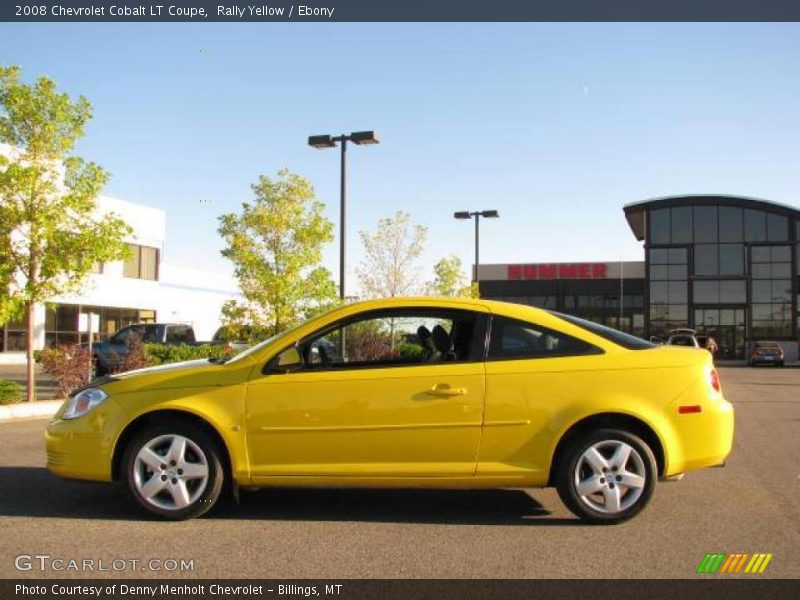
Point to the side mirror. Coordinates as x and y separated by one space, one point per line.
286 362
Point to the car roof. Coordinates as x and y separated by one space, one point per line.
510 309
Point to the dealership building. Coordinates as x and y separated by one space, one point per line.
723 265
142 289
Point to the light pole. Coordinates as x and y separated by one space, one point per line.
321 142
487 214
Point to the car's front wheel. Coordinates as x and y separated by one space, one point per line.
174 470
607 476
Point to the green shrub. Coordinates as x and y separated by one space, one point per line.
10 392
161 354
410 351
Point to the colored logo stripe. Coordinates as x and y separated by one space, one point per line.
711 562
734 563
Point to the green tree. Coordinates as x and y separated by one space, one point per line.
450 280
276 245
389 267
50 231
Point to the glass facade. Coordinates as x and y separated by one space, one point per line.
61 325
723 267
596 300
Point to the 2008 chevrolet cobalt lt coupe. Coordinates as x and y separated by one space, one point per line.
407 392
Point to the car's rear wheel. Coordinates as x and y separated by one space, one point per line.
174 470
607 476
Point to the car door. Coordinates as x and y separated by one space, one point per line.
532 374
372 396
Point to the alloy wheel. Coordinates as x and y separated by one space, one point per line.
610 476
170 472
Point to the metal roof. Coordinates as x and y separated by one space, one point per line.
634 212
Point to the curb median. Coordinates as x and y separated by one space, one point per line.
26 410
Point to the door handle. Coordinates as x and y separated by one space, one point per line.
444 389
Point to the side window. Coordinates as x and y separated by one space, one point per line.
149 334
128 334
512 339
180 334
395 338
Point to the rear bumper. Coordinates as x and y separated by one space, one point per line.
704 439
763 360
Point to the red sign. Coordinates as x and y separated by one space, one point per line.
559 271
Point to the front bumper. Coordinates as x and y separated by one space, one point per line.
79 448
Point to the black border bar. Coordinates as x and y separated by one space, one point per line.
399 10
706 586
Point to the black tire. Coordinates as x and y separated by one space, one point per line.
571 466
201 449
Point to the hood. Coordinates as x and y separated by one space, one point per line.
188 374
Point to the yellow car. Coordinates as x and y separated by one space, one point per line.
414 392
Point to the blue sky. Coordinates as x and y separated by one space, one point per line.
555 125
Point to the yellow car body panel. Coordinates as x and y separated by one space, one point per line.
474 424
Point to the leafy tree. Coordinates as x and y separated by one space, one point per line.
276 245
389 268
50 231
450 280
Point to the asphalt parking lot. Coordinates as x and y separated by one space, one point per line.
752 505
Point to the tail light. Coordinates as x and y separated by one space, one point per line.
713 379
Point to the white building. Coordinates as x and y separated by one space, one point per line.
142 289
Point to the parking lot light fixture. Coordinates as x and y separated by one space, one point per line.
321 142
487 214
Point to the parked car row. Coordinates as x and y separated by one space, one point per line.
759 352
108 355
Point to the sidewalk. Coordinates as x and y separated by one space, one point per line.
45 404
27 410
45 387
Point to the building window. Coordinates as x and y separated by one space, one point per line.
731 224
705 223
771 292
719 292
731 259
668 289
777 228
142 263
659 226
682 225
755 226
706 259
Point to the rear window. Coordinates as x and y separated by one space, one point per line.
626 340
767 345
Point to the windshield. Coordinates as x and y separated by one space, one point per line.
254 349
620 338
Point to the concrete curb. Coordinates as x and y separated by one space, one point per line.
26 410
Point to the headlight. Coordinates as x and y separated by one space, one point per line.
83 402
